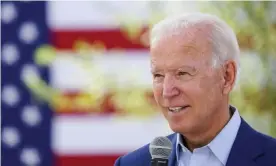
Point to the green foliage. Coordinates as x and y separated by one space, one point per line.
253 20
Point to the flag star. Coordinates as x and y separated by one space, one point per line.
28 32
10 136
29 71
31 115
10 95
25 27
30 157
9 54
8 13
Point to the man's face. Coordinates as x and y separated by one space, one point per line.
184 81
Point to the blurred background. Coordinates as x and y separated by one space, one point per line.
76 83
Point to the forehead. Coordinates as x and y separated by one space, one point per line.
190 47
196 36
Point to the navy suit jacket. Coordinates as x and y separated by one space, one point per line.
250 148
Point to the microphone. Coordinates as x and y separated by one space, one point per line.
160 150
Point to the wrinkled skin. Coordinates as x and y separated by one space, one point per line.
183 76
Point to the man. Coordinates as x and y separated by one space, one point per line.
195 65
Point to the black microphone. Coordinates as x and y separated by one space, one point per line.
160 150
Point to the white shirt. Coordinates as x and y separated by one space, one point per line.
216 152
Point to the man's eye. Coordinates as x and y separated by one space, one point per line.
183 73
157 75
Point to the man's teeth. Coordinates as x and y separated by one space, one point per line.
175 109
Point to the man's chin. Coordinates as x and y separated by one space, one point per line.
180 128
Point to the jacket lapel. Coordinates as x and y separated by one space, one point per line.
172 158
245 148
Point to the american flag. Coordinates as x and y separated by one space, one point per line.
74 117
26 124
67 103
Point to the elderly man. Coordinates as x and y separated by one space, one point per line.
195 65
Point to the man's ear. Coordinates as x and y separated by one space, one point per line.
229 76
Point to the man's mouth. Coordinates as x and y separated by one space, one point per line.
177 109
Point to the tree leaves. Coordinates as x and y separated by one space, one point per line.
251 21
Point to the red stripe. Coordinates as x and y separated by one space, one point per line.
82 160
114 38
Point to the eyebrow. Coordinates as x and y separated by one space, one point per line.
185 67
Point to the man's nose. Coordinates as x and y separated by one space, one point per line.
169 88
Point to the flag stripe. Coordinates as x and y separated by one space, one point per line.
86 160
112 39
93 133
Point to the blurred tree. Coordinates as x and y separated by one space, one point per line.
254 23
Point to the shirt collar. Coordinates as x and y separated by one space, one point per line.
222 143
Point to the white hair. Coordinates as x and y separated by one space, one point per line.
224 42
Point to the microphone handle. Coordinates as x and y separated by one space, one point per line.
159 162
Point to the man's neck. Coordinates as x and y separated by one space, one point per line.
194 141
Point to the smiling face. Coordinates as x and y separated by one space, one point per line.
186 87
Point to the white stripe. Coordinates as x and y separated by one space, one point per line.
106 135
110 14
69 72
94 14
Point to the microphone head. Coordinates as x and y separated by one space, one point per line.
160 147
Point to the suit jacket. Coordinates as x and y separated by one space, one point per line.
250 148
